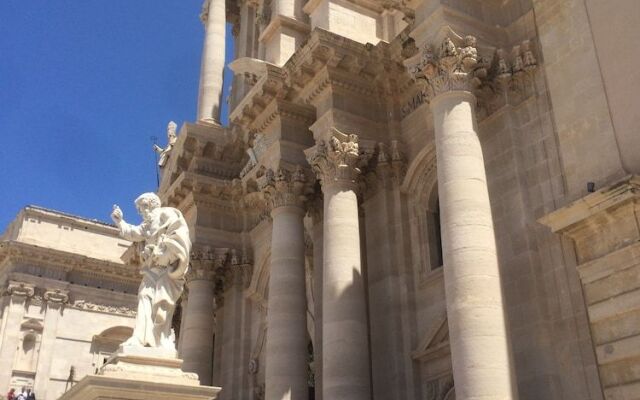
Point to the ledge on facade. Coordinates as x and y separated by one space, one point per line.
68 261
281 21
444 20
601 200
602 222
206 149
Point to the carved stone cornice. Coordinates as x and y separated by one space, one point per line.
20 289
103 308
284 188
55 297
338 160
67 262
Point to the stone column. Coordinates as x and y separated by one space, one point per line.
19 293
345 350
197 334
54 301
214 19
286 342
477 328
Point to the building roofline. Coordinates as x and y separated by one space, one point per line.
41 209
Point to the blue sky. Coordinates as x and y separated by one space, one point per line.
84 84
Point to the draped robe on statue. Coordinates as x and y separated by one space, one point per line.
164 246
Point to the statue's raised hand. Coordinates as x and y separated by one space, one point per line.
116 214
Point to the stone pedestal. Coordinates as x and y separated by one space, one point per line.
141 374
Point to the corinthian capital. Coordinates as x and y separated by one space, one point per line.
447 68
336 160
284 188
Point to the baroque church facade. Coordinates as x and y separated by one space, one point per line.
414 199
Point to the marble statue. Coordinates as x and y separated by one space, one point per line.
171 140
163 245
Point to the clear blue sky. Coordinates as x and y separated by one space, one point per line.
84 84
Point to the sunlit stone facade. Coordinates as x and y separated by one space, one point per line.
413 200
68 299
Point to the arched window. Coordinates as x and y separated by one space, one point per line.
434 232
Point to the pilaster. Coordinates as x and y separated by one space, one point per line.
54 300
19 293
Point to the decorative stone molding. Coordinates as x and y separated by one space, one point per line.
391 165
232 268
448 68
284 188
201 266
461 67
103 308
56 296
336 160
20 289
441 388
58 263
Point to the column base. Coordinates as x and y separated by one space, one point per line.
139 375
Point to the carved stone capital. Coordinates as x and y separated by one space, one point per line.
56 296
284 188
447 68
489 77
201 266
234 270
337 160
20 289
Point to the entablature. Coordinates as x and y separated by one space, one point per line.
204 149
62 263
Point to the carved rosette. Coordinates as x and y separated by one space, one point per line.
284 188
448 68
336 161
20 290
56 297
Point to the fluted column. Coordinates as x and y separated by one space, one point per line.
286 345
214 19
345 350
54 302
18 293
475 311
197 334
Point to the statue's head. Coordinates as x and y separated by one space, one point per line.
146 203
171 129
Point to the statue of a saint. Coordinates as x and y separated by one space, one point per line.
164 246
171 140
